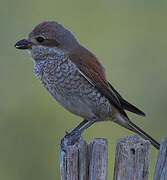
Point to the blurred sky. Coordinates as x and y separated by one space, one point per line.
130 39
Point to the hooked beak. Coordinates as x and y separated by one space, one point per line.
22 44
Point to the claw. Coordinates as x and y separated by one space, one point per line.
67 133
70 139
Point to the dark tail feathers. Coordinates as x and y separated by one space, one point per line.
126 105
143 134
129 107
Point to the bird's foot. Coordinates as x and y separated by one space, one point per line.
70 139
72 133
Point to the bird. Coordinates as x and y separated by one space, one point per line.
76 79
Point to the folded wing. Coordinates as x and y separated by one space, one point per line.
94 72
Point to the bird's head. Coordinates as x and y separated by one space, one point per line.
48 39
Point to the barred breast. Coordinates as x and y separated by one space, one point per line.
71 89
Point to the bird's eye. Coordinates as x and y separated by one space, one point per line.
40 39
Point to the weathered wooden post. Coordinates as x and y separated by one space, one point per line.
84 161
161 165
88 161
98 159
131 159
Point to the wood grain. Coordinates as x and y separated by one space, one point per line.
131 159
161 165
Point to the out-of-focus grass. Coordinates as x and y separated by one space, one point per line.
129 37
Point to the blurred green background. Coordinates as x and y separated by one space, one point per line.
130 39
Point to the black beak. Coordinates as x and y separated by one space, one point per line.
22 44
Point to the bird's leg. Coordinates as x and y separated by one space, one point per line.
77 128
74 136
95 119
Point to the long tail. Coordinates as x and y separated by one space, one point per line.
143 134
133 127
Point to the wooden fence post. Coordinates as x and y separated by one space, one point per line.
84 161
131 159
88 161
161 165
98 159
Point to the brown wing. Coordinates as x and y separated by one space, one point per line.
94 72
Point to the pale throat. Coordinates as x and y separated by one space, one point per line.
43 53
